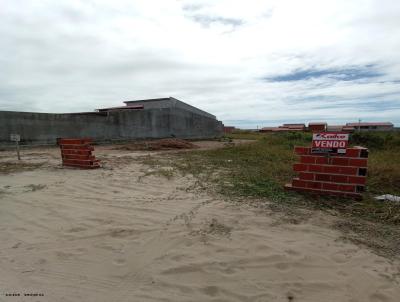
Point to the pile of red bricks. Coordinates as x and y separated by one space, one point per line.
334 174
78 153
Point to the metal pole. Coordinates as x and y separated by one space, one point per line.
17 147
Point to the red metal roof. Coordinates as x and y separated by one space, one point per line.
280 129
293 125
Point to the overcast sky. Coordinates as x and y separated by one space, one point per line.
251 63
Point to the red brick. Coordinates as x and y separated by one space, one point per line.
314 185
77 147
340 178
348 170
74 141
329 186
322 177
315 168
353 152
357 180
331 169
340 161
347 188
82 152
300 167
302 150
306 176
78 156
358 162
304 159
299 183
322 160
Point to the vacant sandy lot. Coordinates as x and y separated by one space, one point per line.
114 234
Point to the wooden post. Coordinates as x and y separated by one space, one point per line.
16 138
17 146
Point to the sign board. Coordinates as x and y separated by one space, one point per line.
330 142
15 137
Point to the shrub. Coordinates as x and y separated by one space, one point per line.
368 139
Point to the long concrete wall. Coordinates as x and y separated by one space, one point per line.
45 128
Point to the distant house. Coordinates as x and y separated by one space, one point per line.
285 128
335 128
267 129
378 126
294 127
348 129
317 126
229 129
274 129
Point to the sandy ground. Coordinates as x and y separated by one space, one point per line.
114 235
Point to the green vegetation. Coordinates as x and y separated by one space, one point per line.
377 140
383 162
259 170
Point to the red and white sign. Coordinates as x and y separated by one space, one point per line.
330 140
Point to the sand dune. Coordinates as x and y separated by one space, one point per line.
112 235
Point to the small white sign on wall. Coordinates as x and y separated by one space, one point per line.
15 137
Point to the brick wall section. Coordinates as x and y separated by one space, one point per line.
78 153
341 174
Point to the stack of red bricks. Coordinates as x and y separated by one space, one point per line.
334 174
78 153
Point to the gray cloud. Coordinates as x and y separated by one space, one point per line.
351 73
208 20
279 63
192 7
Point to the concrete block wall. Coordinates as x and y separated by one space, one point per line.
45 128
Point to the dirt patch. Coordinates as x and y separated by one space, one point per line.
11 167
383 239
160 144
100 231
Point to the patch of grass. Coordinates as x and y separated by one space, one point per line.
245 135
384 171
260 170
156 168
376 140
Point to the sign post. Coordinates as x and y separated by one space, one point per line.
16 138
330 142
